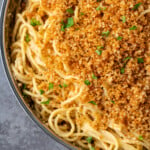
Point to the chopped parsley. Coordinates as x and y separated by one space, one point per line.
51 86
87 82
65 85
69 23
41 91
89 139
63 26
113 101
119 38
100 8
133 28
60 85
34 22
81 13
99 0
100 47
24 86
105 33
123 18
122 70
141 138
94 77
104 8
92 148
27 38
127 58
99 52
92 102
70 10
136 6
46 102
140 60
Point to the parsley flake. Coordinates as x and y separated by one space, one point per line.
41 91
87 82
27 38
105 33
92 148
65 85
122 70
70 22
46 102
119 38
99 52
70 10
123 18
34 22
94 77
113 101
133 28
100 47
81 13
60 85
89 139
127 58
51 86
136 6
92 102
140 60
141 138
24 86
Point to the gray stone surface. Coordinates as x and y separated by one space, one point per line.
17 130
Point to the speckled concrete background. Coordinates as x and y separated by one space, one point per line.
17 130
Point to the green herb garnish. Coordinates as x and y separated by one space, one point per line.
99 52
65 85
60 85
92 148
70 10
100 47
113 101
34 22
63 26
92 102
123 18
27 38
136 6
41 91
127 58
24 86
81 13
100 8
46 102
94 77
119 38
122 70
140 60
87 82
89 139
141 138
70 22
99 0
51 86
133 28
105 33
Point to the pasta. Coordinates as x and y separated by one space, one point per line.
86 66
